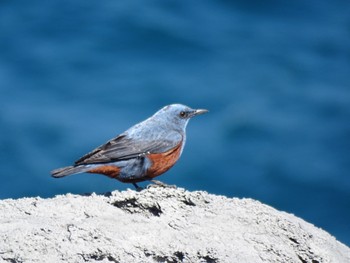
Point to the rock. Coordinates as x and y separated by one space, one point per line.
158 225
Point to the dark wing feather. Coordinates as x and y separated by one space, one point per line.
122 148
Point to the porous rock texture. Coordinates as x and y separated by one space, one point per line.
158 225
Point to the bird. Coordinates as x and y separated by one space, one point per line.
141 153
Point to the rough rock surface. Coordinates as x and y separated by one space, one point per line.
158 225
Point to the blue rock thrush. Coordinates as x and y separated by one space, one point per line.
144 151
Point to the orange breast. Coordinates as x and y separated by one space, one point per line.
162 162
109 170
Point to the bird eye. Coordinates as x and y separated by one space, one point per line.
182 114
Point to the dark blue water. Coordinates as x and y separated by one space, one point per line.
275 76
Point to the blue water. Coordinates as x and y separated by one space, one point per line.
275 76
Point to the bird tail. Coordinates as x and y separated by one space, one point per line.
62 172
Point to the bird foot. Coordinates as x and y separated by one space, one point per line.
160 184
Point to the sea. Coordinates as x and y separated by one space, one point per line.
274 75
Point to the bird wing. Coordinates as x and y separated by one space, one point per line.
123 148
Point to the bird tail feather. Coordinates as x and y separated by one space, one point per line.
62 172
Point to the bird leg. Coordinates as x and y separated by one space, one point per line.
138 188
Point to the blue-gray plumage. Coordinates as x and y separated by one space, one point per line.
142 152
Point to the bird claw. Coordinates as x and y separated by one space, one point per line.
157 183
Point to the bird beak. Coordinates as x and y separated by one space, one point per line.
198 112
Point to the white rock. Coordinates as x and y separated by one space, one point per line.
158 225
